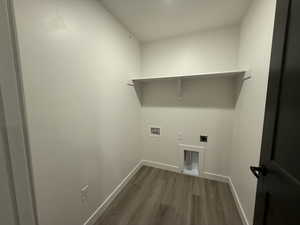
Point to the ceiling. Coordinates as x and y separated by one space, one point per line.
155 19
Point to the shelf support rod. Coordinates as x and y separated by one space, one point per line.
179 88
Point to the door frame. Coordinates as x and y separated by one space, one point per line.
18 153
272 101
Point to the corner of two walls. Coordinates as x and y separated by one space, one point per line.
97 142
231 114
207 105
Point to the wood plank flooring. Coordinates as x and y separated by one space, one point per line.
158 197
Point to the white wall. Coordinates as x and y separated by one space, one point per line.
205 51
207 105
7 203
16 203
83 119
255 51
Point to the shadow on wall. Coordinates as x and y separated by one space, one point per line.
196 93
3 128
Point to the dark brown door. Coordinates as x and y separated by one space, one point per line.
278 192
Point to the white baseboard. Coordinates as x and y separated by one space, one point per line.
238 203
98 212
206 175
211 176
216 177
160 165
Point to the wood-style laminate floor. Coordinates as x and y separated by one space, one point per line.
158 197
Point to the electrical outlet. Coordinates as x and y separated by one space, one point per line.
203 138
155 130
84 193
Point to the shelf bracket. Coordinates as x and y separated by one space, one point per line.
179 88
246 77
138 86
130 84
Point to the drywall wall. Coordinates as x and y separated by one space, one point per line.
83 120
255 51
206 106
16 202
7 203
206 51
